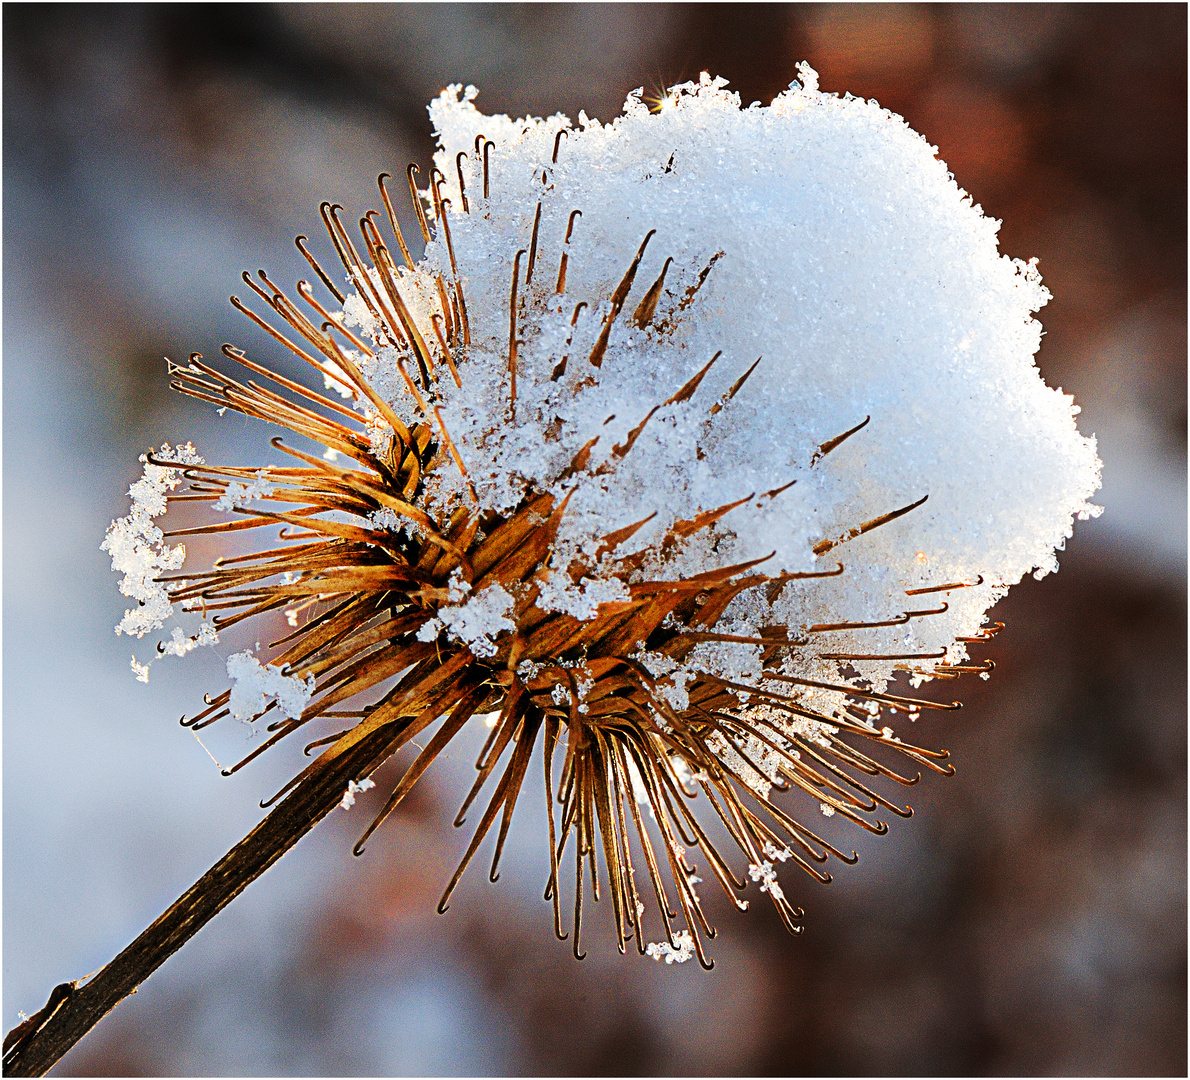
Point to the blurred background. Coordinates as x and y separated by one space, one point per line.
1030 919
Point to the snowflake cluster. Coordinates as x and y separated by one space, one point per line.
663 950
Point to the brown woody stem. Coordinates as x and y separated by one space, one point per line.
36 1045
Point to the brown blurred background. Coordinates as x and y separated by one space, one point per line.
1030 919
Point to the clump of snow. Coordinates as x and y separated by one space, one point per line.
478 621
659 950
253 683
767 876
239 495
814 731
390 521
429 630
754 761
457 586
179 644
138 547
356 313
353 789
779 854
559 593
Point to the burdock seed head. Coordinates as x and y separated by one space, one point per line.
685 436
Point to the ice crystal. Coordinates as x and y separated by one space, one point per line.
138 547
253 683
239 495
480 619
678 953
764 873
353 789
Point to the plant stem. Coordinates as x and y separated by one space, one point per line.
73 1010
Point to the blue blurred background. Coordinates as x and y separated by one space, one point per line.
1031 918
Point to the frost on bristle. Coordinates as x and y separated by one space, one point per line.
477 621
138 547
353 789
754 761
870 285
767 876
559 593
659 950
253 683
179 644
239 495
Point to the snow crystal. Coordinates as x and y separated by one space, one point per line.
559 593
239 495
480 619
664 950
353 789
767 876
429 630
253 683
779 854
179 644
138 547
